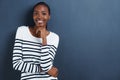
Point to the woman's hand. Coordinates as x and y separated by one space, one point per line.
42 34
53 72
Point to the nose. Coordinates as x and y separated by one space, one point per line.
39 16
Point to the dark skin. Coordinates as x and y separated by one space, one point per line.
41 16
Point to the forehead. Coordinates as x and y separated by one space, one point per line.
41 7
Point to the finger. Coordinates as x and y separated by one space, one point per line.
44 41
38 33
56 74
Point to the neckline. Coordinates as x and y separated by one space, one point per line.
35 36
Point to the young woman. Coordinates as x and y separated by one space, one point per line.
35 47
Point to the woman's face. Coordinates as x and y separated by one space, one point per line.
41 16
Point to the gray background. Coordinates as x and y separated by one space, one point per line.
89 33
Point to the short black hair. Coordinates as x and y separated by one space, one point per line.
42 3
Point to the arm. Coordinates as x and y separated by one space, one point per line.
47 64
52 52
47 58
18 63
53 71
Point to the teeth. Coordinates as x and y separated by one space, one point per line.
40 21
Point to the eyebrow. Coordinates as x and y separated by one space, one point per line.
38 11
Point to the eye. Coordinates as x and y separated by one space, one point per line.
35 13
43 13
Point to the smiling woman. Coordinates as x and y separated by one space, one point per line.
35 47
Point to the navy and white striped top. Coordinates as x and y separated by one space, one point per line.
29 56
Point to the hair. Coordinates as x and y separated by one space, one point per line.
42 3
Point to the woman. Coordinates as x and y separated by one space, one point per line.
35 47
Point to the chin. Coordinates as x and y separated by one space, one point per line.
40 25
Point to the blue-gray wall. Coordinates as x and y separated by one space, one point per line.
89 33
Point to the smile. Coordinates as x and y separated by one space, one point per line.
39 21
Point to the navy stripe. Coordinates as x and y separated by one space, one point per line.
30 48
22 66
32 68
19 65
31 51
17 46
51 53
18 42
36 69
45 62
28 41
53 47
18 49
31 44
29 68
14 62
16 59
17 53
32 55
16 65
45 59
25 66
44 55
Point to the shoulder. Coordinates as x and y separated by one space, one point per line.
22 28
54 35
21 31
53 39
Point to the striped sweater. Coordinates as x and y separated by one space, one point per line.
31 58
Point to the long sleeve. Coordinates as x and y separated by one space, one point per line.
49 53
18 63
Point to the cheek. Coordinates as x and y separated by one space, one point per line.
47 17
34 17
